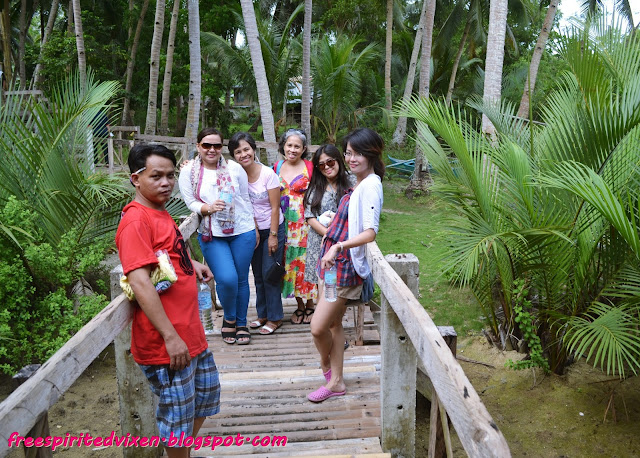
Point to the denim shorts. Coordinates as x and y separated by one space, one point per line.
190 393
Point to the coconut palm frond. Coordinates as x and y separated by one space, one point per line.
46 164
609 336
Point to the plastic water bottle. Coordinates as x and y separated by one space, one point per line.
331 284
226 194
205 305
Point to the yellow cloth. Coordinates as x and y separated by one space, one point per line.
163 272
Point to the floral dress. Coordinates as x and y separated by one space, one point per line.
295 251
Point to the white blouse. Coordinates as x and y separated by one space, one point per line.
244 221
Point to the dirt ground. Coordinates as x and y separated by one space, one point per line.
583 413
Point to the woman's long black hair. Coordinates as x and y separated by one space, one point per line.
318 184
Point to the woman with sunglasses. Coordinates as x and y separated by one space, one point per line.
321 200
354 225
264 192
295 172
227 233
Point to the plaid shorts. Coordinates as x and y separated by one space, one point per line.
190 393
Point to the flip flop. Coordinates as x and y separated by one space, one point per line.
327 375
323 393
300 314
308 313
270 327
258 323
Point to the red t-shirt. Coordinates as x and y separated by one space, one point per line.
143 231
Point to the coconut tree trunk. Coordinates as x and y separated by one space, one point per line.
82 57
6 44
530 84
387 56
306 69
45 37
154 70
262 84
195 73
126 109
494 60
168 69
21 45
456 62
425 72
401 127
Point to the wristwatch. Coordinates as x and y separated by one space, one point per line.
274 233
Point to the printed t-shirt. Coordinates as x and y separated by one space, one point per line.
141 233
259 195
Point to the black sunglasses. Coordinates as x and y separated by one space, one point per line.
208 146
325 164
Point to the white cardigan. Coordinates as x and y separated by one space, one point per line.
364 213
244 221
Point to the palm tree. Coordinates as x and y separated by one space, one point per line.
306 69
5 22
131 61
564 218
195 71
168 69
45 166
401 127
387 56
337 81
82 57
494 59
530 83
154 70
45 37
262 83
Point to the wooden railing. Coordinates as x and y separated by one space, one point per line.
408 336
183 145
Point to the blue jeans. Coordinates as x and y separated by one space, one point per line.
229 259
268 295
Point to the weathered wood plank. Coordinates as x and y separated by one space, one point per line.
22 409
476 429
361 447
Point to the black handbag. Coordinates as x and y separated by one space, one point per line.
275 273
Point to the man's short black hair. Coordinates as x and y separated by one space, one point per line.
140 152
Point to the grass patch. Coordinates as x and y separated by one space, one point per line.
417 226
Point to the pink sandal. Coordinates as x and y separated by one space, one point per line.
323 393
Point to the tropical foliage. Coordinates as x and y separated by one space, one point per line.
553 205
57 218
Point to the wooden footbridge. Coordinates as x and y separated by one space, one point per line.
264 384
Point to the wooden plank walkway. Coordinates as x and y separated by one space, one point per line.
264 387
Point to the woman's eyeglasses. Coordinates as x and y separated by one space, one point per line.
325 164
208 146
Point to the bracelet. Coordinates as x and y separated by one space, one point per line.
274 233
341 246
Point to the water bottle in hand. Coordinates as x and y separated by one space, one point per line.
331 284
205 305
226 194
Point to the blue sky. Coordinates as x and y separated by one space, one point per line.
572 8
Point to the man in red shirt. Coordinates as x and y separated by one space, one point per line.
167 338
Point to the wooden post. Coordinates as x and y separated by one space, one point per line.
110 151
439 438
398 368
41 428
137 402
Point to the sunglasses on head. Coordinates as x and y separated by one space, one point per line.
211 145
325 164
